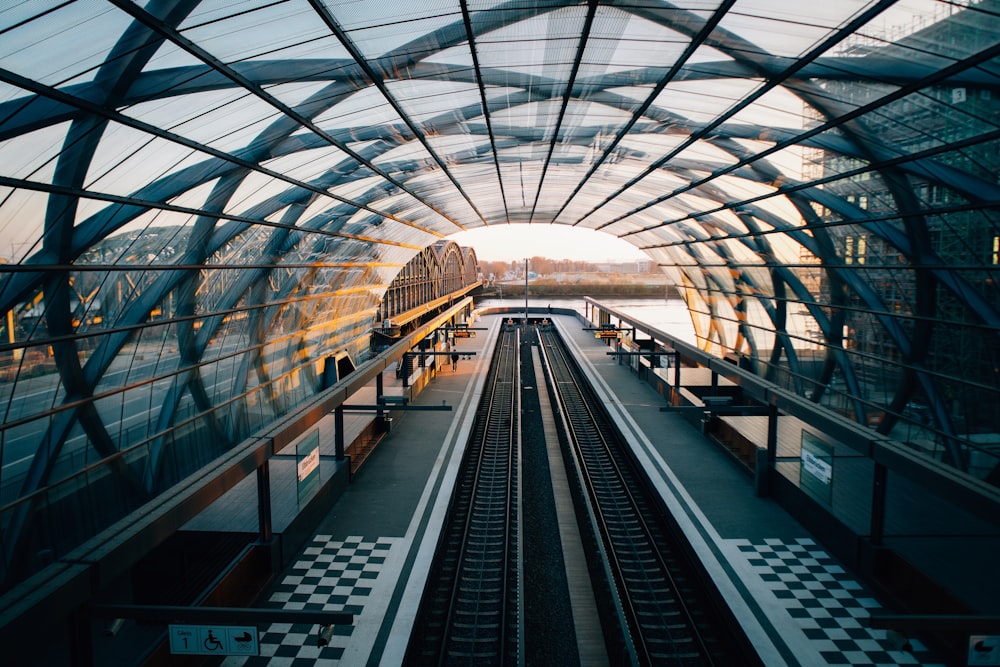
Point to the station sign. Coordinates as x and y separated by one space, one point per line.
307 466
464 333
606 334
816 468
214 640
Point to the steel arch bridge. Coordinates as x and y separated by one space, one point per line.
439 270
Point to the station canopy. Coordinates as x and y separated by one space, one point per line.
201 200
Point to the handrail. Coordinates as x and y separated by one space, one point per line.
969 493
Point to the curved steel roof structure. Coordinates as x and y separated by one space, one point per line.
200 199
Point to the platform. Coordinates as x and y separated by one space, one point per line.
371 553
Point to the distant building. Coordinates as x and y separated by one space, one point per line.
955 234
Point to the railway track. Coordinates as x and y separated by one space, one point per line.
652 602
469 613
656 610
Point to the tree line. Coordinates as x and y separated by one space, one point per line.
544 266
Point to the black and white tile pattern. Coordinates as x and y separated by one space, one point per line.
825 603
811 591
331 575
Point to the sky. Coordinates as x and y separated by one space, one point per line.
517 241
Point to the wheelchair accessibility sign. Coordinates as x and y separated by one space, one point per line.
984 650
213 640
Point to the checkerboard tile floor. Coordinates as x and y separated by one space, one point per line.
826 603
331 575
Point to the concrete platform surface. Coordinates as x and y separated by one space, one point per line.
371 554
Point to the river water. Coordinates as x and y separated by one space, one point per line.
670 315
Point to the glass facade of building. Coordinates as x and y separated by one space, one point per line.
200 200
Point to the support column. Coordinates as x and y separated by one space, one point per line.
264 526
525 293
81 639
879 482
772 434
338 432
677 378
765 458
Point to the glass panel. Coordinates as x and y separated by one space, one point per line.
54 47
282 30
378 28
790 33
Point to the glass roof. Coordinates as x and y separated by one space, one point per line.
819 182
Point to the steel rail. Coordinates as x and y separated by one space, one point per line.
663 626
